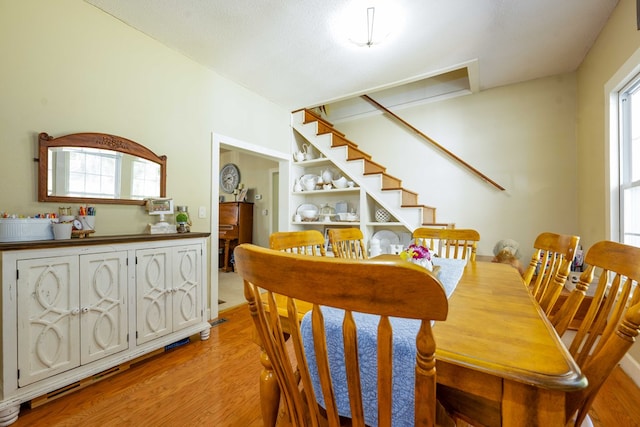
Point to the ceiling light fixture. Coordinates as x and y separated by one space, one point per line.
366 23
371 13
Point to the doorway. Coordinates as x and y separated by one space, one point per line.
261 170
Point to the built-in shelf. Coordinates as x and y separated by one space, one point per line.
332 191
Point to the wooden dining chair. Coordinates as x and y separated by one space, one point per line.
449 242
410 292
306 242
549 267
603 337
611 323
347 243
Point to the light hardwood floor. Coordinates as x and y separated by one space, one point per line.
230 290
215 383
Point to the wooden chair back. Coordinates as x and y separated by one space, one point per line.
411 292
612 321
550 265
347 243
457 243
307 242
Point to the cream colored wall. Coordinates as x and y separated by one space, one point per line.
521 136
254 174
69 67
617 42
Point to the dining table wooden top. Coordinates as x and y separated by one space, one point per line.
495 326
497 355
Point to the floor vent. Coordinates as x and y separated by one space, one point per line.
180 343
218 321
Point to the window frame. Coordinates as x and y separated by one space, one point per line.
628 97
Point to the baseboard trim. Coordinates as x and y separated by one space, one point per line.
631 367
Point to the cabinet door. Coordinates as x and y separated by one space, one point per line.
48 317
187 286
103 305
154 316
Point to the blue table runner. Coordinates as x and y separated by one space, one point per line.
404 354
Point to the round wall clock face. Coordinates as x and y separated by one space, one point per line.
229 177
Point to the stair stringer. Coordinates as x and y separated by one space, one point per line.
391 200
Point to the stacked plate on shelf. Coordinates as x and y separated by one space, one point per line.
386 238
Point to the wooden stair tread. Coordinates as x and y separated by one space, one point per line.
389 182
340 140
417 206
399 189
371 162
316 118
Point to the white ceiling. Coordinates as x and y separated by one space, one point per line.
285 50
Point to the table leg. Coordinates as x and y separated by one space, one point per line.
269 392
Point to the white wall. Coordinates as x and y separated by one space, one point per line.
69 67
521 136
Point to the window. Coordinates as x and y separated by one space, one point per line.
629 189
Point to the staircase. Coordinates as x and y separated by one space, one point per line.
384 188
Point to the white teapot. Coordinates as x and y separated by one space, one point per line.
327 176
309 182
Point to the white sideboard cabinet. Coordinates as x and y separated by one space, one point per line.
168 290
73 309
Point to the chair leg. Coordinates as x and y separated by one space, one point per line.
269 392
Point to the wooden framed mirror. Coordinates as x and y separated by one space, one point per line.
92 168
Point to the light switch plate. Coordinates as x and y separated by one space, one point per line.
202 212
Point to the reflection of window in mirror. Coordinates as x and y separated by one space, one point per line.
86 172
145 179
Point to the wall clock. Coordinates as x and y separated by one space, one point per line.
229 177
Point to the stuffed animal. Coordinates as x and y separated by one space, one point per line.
507 251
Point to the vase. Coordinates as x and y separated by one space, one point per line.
423 263
382 215
327 176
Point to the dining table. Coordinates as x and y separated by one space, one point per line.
498 358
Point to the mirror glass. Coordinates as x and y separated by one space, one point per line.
98 168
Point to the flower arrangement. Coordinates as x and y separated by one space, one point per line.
417 254
414 251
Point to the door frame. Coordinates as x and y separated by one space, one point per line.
221 141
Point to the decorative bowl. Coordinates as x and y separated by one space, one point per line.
340 182
309 213
309 185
